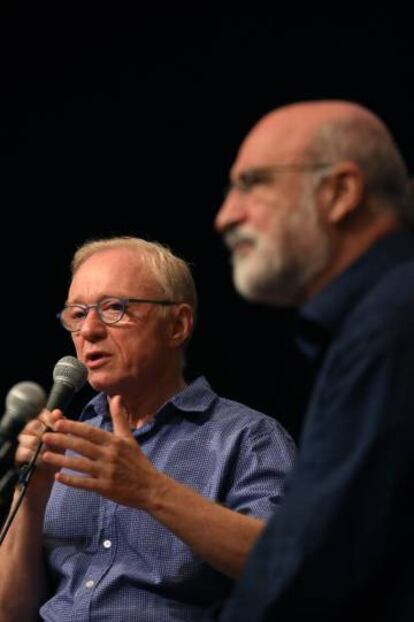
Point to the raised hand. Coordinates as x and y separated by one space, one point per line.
109 463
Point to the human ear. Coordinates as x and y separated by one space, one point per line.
342 191
181 324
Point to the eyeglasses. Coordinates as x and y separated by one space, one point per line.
109 310
250 178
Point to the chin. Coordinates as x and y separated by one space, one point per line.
248 283
260 288
101 382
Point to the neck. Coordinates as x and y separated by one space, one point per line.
146 398
348 246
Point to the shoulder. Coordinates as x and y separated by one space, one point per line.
236 418
368 368
384 314
202 403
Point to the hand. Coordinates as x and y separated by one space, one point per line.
112 464
29 440
31 436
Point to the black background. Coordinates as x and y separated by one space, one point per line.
114 122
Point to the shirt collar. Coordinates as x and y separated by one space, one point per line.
195 398
322 316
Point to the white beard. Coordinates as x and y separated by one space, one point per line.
279 265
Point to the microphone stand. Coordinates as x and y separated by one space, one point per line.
15 475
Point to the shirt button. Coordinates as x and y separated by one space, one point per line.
107 544
89 583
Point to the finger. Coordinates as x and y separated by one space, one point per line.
83 482
24 455
45 420
79 445
28 446
119 416
35 428
74 463
83 430
49 419
28 441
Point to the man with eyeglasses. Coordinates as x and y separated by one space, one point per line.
163 486
316 217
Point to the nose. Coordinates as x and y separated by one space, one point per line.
232 212
92 328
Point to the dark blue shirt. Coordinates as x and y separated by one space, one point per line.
108 562
342 545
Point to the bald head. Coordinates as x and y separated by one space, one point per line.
313 186
302 120
329 132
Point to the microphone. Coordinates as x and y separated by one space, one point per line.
69 377
24 401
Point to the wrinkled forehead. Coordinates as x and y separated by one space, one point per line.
115 271
274 141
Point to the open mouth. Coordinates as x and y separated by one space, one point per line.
94 359
242 247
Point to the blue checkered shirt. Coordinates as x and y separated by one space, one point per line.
108 562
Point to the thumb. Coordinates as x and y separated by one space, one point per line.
119 416
49 418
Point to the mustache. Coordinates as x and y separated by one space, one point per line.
238 235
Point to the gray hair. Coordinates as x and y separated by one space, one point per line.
371 146
172 273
